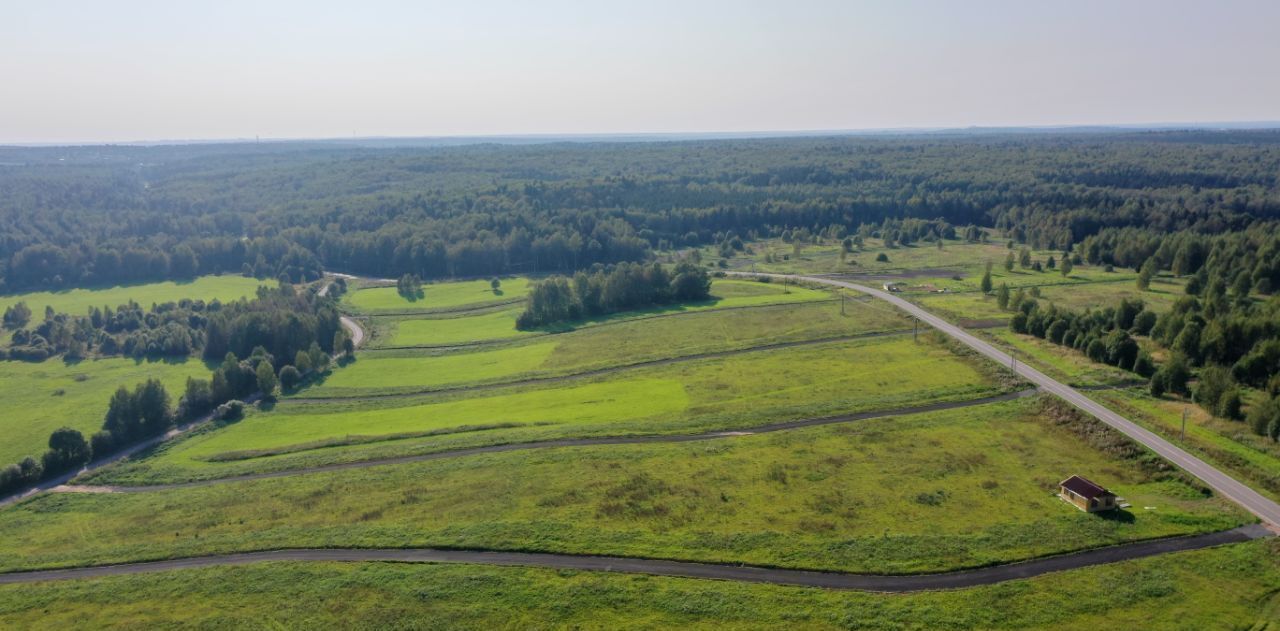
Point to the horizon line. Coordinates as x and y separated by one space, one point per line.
1243 125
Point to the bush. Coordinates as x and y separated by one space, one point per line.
1230 405
290 378
230 411
882 258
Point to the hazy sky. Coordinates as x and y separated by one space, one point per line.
130 70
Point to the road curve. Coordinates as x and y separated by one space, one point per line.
354 328
556 443
350 324
1252 501
685 569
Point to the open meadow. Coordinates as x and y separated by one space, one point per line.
615 343
77 301
919 493
41 397
1231 587
445 296
500 324
738 392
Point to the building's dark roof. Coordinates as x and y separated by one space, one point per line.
1084 488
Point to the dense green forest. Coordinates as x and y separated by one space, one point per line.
95 215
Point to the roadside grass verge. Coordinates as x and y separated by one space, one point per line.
923 493
1231 587
1223 443
973 305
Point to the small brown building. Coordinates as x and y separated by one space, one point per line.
1086 495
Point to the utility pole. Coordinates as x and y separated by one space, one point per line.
1013 360
915 329
841 303
1184 423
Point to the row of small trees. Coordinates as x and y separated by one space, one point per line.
607 290
1105 335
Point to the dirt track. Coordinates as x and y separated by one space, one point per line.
829 580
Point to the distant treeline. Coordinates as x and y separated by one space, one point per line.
76 216
619 288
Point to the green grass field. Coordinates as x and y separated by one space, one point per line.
502 324
78 301
918 493
735 392
437 296
596 347
40 398
973 305
928 492
1221 588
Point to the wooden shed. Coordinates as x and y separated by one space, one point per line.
1086 494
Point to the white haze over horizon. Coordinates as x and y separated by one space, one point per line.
135 70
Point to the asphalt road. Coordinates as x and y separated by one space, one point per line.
557 443
1220 482
829 580
353 327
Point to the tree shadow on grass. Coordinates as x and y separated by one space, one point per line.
1118 515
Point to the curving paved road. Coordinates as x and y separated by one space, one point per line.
547 444
353 327
754 574
1252 501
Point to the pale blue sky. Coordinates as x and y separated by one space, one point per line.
136 70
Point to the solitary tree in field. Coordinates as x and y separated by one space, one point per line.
882 257
1008 262
1067 266
1002 296
1144 276
1024 258
495 284
986 282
